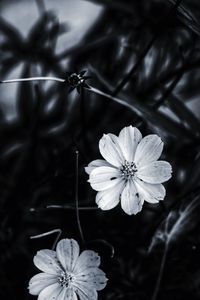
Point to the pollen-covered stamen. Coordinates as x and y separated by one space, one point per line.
65 279
128 170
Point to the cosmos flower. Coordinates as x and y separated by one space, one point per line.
67 274
131 172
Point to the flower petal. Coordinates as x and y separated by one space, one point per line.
40 282
94 277
110 149
51 292
67 252
155 172
46 261
130 201
109 198
151 193
85 292
87 259
67 294
129 139
103 178
96 163
148 150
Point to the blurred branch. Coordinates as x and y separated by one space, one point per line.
144 53
81 49
176 72
148 113
186 18
41 6
117 5
168 91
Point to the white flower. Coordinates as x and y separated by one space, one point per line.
68 275
130 171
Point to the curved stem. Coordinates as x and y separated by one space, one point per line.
160 274
33 79
115 99
58 231
76 200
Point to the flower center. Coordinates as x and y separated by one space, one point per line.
75 79
65 279
128 170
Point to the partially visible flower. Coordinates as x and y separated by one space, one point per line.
77 80
131 172
67 274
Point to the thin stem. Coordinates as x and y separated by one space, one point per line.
66 207
58 231
33 79
160 274
76 200
83 116
122 102
105 243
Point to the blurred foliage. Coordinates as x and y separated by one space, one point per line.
147 53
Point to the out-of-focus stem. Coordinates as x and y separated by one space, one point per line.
76 200
86 208
65 207
160 274
41 6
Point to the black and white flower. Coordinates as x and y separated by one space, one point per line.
67 274
131 172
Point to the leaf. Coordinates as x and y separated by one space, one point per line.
177 224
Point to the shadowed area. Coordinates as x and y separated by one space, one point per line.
143 63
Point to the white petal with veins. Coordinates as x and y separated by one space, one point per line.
103 178
110 149
67 252
46 261
85 292
108 199
148 150
94 277
51 292
129 139
40 282
96 163
155 172
151 193
86 260
67 294
130 201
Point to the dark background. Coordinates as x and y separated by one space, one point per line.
147 53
